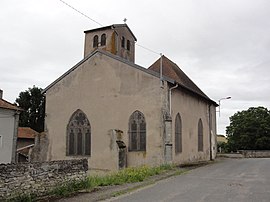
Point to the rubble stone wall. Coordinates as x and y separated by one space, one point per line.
39 177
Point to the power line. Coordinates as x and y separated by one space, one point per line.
80 12
147 49
150 50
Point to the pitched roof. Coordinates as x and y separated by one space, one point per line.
26 132
171 70
148 71
112 27
7 105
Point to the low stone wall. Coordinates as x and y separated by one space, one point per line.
40 177
255 153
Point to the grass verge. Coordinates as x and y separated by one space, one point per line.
128 175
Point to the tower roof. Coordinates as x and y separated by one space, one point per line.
112 27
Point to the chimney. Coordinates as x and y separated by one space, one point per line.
1 94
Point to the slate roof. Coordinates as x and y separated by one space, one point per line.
7 105
171 70
26 132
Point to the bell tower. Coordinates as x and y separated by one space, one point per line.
117 39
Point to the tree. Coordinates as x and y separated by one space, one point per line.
249 130
32 101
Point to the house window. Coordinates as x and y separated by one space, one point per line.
123 42
103 40
200 135
78 135
178 134
95 41
128 45
137 132
1 141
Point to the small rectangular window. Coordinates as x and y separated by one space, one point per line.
1 141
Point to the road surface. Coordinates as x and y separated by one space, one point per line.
237 180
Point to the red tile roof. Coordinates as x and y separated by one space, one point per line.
6 105
171 70
26 132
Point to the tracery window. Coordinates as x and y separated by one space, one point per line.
95 41
103 40
78 135
200 135
137 132
178 134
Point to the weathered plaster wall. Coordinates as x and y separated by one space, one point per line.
8 133
191 109
108 92
39 178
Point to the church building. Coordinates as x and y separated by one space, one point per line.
118 114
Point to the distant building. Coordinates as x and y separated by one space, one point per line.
25 141
116 114
9 119
221 138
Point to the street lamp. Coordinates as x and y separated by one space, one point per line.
225 98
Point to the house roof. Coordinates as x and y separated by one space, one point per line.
171 70
7 105
26 132
111 27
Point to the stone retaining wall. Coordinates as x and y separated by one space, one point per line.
255 153
40 177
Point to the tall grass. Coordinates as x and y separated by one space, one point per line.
128 175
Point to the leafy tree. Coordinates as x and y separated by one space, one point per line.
249 130
32 101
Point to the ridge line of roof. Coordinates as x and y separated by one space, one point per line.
151 72
112 26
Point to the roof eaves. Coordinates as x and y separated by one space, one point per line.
198 94
69 71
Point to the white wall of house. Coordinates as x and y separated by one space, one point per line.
8 135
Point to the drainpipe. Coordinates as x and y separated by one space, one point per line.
170 97
210 129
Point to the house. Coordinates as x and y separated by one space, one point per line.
9 119
116 113
25 142
221 139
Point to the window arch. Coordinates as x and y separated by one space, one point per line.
123 42
178 134
103 40
78 135
95 41
137 132
128 45
200 135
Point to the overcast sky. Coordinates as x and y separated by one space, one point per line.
222 45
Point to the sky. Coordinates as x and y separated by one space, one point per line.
223 46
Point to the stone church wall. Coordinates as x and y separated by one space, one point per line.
40 177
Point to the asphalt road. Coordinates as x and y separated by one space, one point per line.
237 180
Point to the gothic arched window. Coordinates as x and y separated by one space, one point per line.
78 135
103 40
200 135
95 41
137 132
178 134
